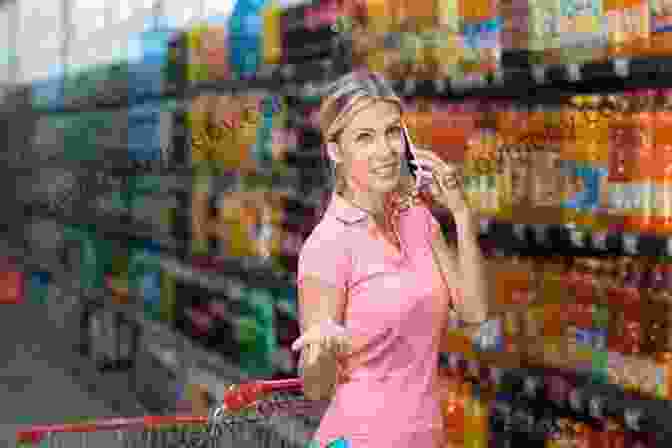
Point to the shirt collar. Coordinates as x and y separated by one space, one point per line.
345 211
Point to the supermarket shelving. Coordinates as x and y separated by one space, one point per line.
534 84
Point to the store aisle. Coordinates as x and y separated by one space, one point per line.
39 381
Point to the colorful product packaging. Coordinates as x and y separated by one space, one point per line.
96 258
661 172
515 25
629 27
639 190
660 26
12 287
38 288
482 47
582 31
622 155
450 44
272 35
145 277
545 32
149 64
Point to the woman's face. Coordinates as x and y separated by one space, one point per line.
372 146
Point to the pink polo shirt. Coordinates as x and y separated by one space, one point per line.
397 301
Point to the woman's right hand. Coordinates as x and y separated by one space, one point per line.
325 348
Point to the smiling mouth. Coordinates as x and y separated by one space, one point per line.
386 168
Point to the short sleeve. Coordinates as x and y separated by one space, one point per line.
327 258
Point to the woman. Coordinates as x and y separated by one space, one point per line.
373 302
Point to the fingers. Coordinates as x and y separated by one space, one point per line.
452 179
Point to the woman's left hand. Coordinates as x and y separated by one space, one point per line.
446 187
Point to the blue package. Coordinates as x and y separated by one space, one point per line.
144 132
584 336
583 185
245 38
48 93
39 287
148 61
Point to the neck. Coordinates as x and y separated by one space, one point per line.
371 203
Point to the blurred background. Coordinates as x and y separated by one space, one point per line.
161 166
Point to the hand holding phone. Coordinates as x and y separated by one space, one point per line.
423 176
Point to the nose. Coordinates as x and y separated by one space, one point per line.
385 150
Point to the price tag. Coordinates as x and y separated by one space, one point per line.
440 85
235 290
540 235
622 67
578 238
530 386
327 64
630 243
456 84
574 72
519 231
409 86
96 327
484 224
310 89
575 400
596 407
498 77
288 71
539 74
266 71
632 418
599 240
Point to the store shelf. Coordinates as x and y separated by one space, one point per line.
540 239
296 80
117 228
539 84
588 398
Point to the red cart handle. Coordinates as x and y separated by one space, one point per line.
236 398
242 395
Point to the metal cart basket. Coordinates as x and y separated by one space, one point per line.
258 414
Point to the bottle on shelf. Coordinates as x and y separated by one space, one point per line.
643 175
272 34
545 30
245 29
661 166
582 36
661 24
656 312
622 132
448 52
476 432
515 26
546 168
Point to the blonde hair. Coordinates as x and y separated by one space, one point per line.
343 99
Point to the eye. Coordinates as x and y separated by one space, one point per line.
364 137
394 131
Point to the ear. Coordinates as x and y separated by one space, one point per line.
332 152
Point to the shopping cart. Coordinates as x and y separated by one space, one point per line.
257 414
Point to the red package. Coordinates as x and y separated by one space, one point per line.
11 287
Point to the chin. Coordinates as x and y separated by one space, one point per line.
387 185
